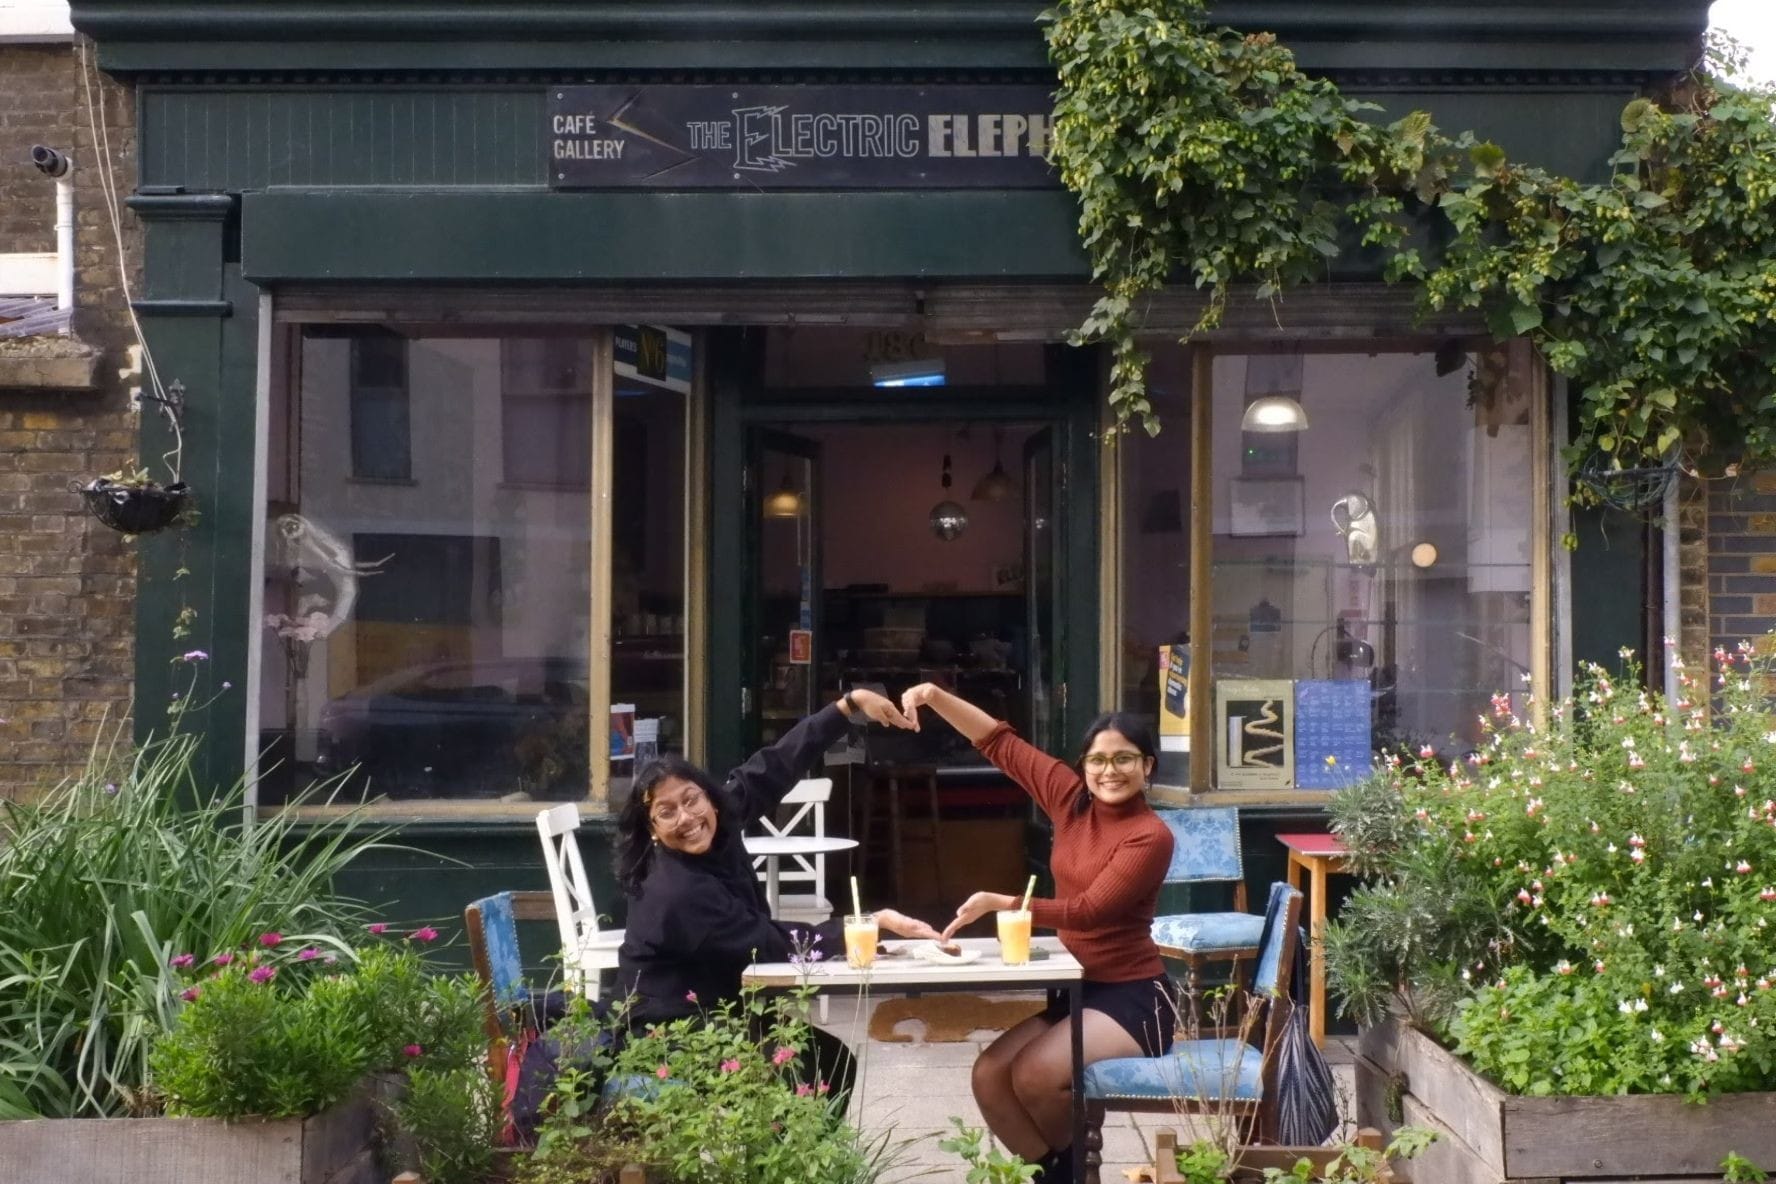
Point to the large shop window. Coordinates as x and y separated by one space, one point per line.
1369 561
448 513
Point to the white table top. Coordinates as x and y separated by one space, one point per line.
899 968
795 844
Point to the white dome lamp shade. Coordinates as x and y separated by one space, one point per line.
1274 413
1273 394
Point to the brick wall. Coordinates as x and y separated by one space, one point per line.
1741 558
67 584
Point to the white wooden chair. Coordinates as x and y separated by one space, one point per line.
586 950
807 872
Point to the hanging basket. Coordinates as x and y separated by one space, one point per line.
1632 490
135 509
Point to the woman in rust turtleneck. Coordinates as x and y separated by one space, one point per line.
1109 858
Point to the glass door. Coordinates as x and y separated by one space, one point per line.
782 611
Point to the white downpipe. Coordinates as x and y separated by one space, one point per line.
65 239
1673 590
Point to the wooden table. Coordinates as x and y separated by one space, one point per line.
774 847
1050 967
1319 855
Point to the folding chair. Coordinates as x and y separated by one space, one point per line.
586 950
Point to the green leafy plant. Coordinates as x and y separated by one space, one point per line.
1353 1164
1736 1169
284 1028
987 1164
1586 909
1205 157
716 1098
453 1117
106 879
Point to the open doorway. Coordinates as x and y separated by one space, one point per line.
894 541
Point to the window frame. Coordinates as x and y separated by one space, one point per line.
279 367
1118 517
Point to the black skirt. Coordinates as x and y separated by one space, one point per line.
1144 1008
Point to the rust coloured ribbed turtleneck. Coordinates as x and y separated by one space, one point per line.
1108 864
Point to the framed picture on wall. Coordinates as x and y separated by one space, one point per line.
1267 506
1255 733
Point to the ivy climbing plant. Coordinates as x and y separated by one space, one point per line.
1205 156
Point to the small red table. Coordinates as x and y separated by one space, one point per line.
1319 855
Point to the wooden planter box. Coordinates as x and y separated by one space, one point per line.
334 1147
1253 1160
1491 1137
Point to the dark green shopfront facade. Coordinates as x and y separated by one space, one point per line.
365 197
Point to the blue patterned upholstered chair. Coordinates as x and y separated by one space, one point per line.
1230 1076
492 925
1206 850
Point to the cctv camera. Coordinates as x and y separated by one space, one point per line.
49 162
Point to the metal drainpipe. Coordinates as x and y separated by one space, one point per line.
65 238
1670 538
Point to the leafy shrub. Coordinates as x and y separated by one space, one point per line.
279 1032
106 879
725 1103
1586 909
453 1117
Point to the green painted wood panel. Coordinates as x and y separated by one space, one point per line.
528 236
442 137
570 35
437 137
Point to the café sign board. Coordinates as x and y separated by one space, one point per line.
799 137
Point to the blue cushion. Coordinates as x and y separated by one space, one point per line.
1266 978
1193 1070
1205 844
499 939
1203 933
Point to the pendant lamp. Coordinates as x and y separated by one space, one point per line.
996 485
948 518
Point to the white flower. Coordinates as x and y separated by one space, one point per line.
1656 1036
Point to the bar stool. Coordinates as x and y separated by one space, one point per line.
892 778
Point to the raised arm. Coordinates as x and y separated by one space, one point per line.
1054 784
758 786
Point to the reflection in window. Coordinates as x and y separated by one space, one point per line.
1384 547
431 635
381 440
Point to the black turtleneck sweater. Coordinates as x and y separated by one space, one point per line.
697 921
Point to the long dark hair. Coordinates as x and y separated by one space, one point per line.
635 839
1131 727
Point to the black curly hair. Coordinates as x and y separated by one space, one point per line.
635 839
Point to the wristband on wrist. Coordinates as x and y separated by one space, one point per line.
851 706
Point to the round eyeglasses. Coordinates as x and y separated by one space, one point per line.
1097 762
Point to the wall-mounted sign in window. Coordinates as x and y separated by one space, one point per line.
799 137
653 354
1256 720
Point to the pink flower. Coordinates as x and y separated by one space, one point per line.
262 974
662 1073
190 994
822 1088
378 928
182 961
425 934
690 996
307 954
730 1066
413 1050
223 959
803 1090
782 1055
271 940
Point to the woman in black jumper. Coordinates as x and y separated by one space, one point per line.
697 914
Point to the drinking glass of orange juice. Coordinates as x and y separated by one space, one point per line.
860 940
1014 936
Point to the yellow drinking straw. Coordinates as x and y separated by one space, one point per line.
1028 889
857 902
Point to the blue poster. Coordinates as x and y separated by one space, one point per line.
1331 721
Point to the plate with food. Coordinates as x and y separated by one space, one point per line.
944 955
